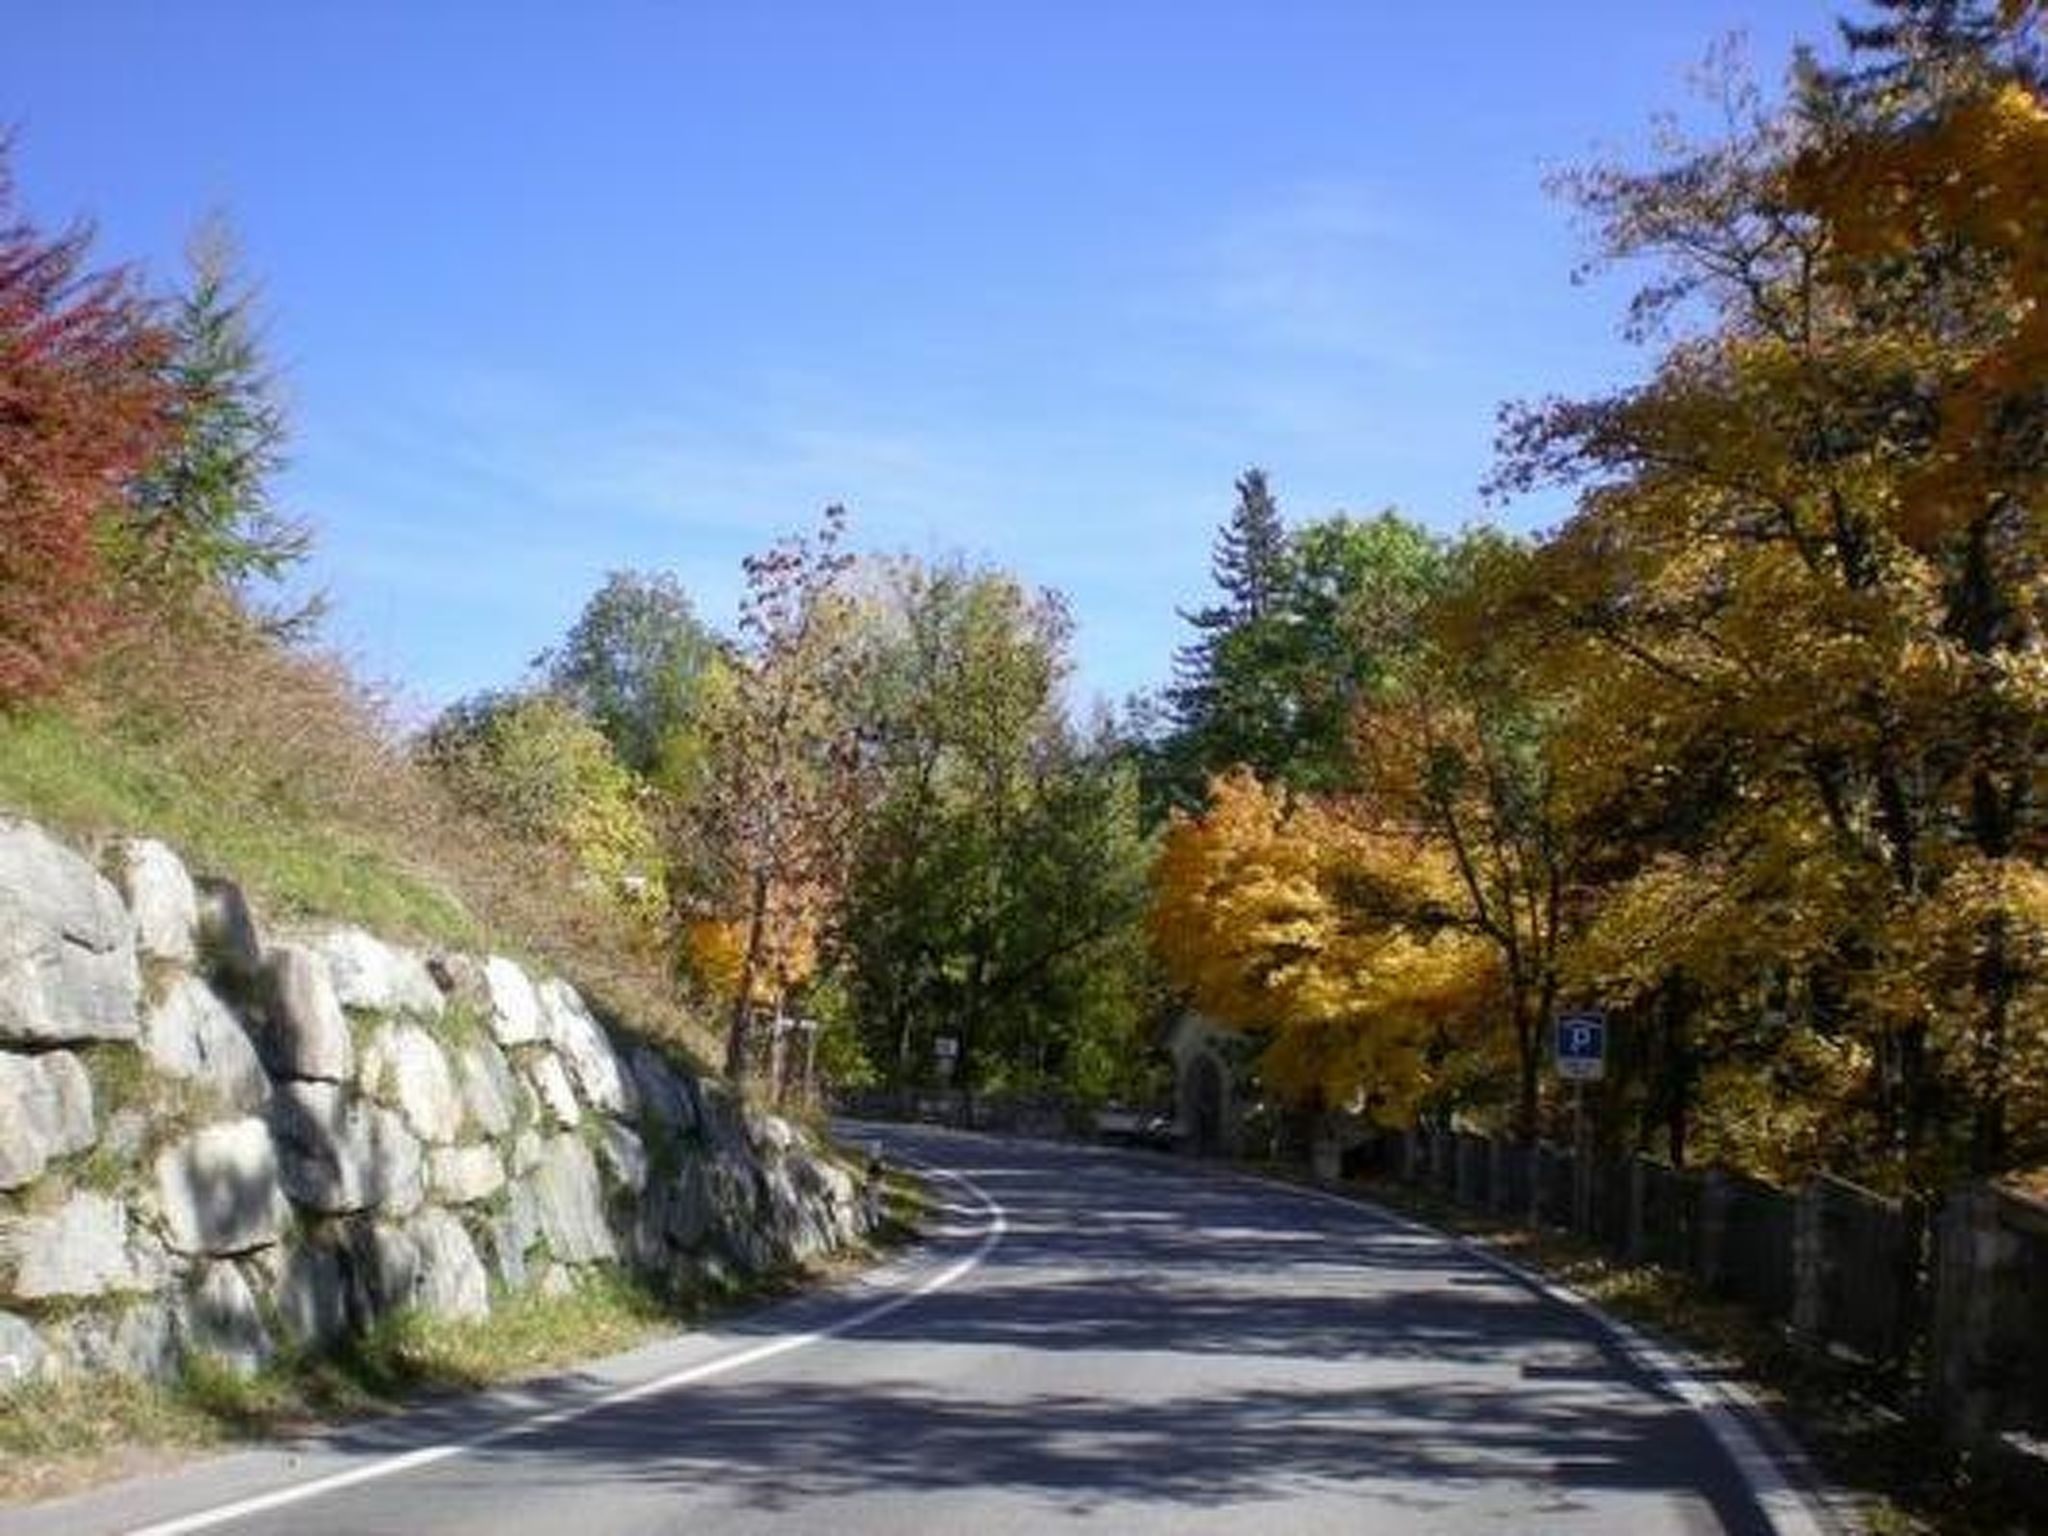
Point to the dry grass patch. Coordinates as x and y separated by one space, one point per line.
279 769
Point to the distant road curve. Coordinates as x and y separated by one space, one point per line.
1093 1340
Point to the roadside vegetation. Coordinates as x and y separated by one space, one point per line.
1746 752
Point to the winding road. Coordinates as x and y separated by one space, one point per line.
1092 1340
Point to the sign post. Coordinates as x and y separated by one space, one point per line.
1581 1059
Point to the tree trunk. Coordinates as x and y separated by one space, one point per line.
743 997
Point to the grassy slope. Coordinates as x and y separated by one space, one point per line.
90 781
278 770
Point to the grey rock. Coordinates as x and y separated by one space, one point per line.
46 1112
389 1259
68 967
513 1234
81 1249
219 1189
74 1122
593 1064
771 1135
192 1035
230 944
665 1095
404 1065
450 1279
570 1203
488 1089
337 1153
378 977
527 1149
464 1175
680 1206
223 1319
22 1353
302 1031
461 979
625 1159
516 1015
162 898
312 1294
135 1341
551 1083
720 1118
145 1341
126 1135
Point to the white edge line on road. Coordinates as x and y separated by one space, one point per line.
1788 1509
428 1455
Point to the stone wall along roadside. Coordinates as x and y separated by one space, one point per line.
214 1138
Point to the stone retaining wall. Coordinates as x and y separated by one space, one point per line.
217 1139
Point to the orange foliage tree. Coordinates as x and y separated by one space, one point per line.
82 410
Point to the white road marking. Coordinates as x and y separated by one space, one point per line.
426 1456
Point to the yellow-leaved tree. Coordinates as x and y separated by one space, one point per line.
1327 930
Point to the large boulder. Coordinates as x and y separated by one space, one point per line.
139 1340
192 1036
623 1155
230 944
403 1065
464 1175
312 1294
516 1015
22 1352
593 1064
512 1234
302 1031
162 898
665 1096
338 1153
569 1201
83 1248
378 977
46 1112
219 1189
551 1085
68 969
223 1319
489 1091
449 1279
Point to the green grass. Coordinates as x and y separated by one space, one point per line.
92 782
65 1435
1850 1420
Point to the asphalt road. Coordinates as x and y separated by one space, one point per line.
1095 1340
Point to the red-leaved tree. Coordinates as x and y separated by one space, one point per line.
82 410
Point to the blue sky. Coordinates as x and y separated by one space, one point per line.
562 288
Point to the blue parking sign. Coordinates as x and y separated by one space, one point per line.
1582 1045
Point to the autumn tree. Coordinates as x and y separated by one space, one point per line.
766 836
1327 928
1813 540
83 407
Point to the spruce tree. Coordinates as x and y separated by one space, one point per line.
1247 564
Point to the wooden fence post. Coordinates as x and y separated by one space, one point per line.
1810 1261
